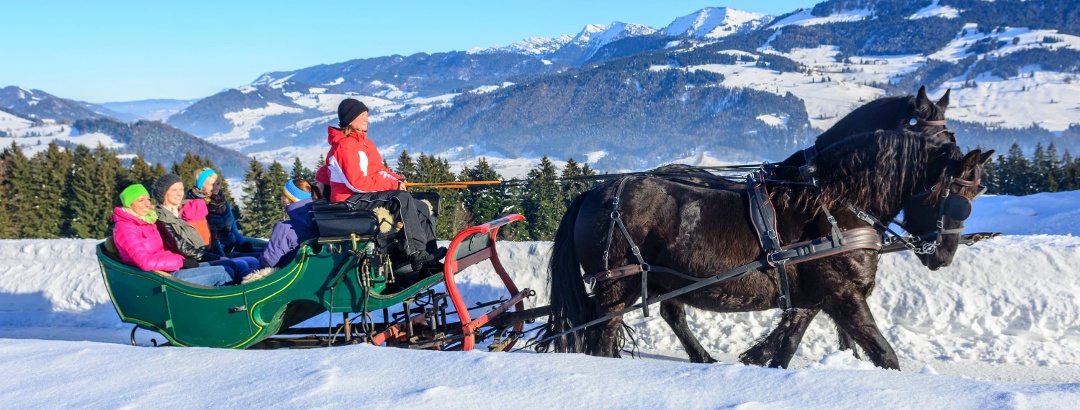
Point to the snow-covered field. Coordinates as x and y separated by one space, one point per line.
1000 328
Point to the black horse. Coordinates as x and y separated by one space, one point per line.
701 231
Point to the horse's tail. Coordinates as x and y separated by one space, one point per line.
570 303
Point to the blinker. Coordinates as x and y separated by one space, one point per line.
956 207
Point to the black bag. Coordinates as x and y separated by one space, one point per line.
340 221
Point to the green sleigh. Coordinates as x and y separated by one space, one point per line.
335 276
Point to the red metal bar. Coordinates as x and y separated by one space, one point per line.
451 267
396 331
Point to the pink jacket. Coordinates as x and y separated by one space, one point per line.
140 244
193 211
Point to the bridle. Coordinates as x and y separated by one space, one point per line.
955 207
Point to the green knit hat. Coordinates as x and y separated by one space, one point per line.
131 193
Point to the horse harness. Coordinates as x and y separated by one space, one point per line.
763 215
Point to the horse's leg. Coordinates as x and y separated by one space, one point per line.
777 349
853 317
846 343
675 315
606 338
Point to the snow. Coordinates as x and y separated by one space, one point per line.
935 10
998 328
33 139
827 102
773 120
804 18
714 22
246 120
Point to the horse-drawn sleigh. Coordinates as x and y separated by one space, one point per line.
803 235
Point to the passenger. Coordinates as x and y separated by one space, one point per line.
287 235
139 244
181 237
355 172
225 237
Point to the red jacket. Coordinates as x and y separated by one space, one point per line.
353 165
139 244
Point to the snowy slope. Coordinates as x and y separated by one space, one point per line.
32 138
1000 328
715 22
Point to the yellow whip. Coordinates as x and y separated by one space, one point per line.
450 185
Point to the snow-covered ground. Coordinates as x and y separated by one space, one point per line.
32 138
1000 328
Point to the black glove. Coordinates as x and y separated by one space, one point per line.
190 263
208 257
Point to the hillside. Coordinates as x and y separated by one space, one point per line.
721 82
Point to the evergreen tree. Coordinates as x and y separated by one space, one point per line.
255 215
14 171
1014 172
189 168
452 216
1069 173
49 173
93 192
139 172
407 168
1038 171
1053 170
276 178
573 183
301 172
483 203
542 201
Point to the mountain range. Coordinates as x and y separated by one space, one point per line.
718 83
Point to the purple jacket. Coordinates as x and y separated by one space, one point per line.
287 235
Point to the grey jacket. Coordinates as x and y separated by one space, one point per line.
179 236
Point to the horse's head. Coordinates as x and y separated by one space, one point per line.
935 214
928 117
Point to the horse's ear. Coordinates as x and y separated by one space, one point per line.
986 156
921 95
943 103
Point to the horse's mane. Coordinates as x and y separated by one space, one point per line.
872 170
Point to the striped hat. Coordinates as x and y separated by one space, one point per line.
294 193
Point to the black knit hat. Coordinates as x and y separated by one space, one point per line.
348 110
161 186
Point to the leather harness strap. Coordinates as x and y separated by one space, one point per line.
776 256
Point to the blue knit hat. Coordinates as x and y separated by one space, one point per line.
205 174
294 193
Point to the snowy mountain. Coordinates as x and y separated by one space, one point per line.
154 110
996 329
534 46
715 22
719 83
42 105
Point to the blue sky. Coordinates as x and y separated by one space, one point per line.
102 51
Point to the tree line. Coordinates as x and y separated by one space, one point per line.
1015 174
63 192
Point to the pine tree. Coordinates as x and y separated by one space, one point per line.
13 189
299 171
49 173
452 217
573 183
483 203
407 168
275 183
542 201
1038 171
188 168
139 172
1053 170
93 189
1015 171
1069 173
254 214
